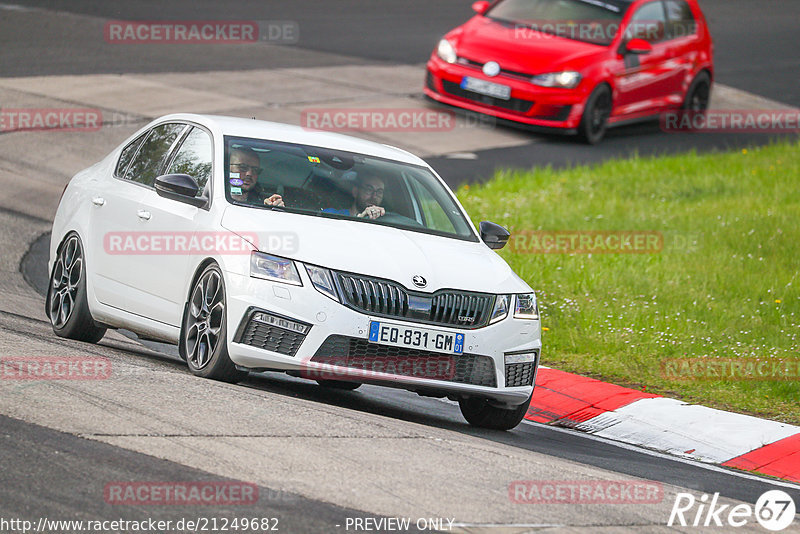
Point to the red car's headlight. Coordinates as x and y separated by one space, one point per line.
567 79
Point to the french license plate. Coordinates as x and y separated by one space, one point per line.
486 88
415 338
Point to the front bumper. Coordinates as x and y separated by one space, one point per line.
320 338
531 105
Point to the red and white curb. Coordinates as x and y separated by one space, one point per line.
667 425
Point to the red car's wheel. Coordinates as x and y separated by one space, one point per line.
594 121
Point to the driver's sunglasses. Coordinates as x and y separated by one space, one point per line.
369 190
243 167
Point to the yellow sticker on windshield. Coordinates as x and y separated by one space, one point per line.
313 159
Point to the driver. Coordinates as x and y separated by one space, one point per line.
245 162
367 197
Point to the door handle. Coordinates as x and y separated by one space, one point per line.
143 214
98 201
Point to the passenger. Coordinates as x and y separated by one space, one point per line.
367 197
247 164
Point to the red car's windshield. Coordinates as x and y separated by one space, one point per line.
592 21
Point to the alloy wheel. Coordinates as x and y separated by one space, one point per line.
67 273
206 316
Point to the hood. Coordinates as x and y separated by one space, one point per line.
482 39
376 250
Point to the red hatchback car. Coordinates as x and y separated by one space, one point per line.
575 66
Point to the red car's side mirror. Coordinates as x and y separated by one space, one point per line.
638 46
480 7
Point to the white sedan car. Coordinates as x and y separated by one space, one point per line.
257 246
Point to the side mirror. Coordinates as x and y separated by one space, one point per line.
180 187
638 47
494 235
480 7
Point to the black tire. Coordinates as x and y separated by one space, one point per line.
339 384
594 122
66 303
699 94
478 412
203 343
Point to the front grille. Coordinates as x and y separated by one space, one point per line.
270 337
517 75
519 374
516 105
389 299
357 353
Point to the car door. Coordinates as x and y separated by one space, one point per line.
118 218
162 272
682 32
644 81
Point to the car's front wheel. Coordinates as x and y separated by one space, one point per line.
66 303
203 342
479 412
594 121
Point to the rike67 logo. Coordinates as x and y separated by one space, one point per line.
774 510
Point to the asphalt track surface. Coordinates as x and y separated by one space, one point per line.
52 473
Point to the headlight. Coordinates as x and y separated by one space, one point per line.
500 310
274 268
446 51
567 79
322 280
526 307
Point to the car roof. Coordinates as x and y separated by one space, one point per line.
275 131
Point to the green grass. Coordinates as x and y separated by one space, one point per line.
725 284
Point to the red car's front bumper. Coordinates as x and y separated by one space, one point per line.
532 105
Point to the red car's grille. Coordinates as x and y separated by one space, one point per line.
503 72
516 105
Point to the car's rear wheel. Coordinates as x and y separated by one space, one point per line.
339 384
699 94
594 121
203 344
479 412
66 303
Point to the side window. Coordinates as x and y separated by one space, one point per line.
648 23
148 162
432 211
680 20
127 154
194 158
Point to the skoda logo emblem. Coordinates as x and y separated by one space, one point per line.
419 281
491 68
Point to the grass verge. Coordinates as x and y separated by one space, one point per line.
722 285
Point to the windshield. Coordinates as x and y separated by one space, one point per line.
591 21
342 185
